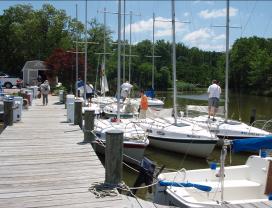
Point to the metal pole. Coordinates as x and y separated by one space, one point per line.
124 44
104 55
129 68
153 51
174 61
85 71
76 54
119 61
227 64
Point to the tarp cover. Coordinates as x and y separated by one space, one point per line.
252 144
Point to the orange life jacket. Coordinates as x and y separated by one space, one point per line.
144 102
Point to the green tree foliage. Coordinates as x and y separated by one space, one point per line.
251 65
28 34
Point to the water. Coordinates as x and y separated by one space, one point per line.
239 108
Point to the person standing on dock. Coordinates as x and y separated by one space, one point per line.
125 90
45 89
143 105
214 92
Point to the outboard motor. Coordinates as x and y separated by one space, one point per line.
145 176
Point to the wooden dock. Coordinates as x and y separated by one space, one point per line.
43 164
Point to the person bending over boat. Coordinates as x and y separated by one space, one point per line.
143 105
214 92
125 90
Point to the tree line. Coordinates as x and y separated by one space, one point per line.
47 34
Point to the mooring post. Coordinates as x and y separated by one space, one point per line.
89 116
8 113
78 113
64 99
252 116
114 157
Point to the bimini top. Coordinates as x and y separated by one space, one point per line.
35 65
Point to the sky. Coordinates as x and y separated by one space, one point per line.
199 23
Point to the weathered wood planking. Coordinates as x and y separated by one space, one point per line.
44 164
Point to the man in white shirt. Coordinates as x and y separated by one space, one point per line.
125 90
214 92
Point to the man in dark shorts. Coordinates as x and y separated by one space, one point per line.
214 92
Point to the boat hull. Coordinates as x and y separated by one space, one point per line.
194 147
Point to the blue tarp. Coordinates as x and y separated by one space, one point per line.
182 184
150 93
252 144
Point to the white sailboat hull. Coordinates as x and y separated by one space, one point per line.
135 140
198 148
229 129
183 138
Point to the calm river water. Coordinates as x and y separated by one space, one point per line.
240 107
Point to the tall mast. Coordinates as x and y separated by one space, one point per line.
174 61
129 66
119 61
104 46
153 51
227 64
85 68
76 54
124 44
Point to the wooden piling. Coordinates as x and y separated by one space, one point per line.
78 113
89 116
114 157
8 113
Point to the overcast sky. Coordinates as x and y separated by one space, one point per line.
252 18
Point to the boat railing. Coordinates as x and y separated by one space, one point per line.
161 98
265 126
203 109
269 122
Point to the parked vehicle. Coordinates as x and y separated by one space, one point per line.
9 81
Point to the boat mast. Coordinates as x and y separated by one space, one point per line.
224 148
76 53
227 64
85 68
129 65
153 51
104 55
119 61
174 61
124 44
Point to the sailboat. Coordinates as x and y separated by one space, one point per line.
224 127
135 139
173 133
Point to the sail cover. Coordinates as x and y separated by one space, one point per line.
103 81
252 144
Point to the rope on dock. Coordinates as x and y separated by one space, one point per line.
101 190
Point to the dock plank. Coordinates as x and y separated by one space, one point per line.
43 163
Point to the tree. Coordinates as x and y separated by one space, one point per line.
62 64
